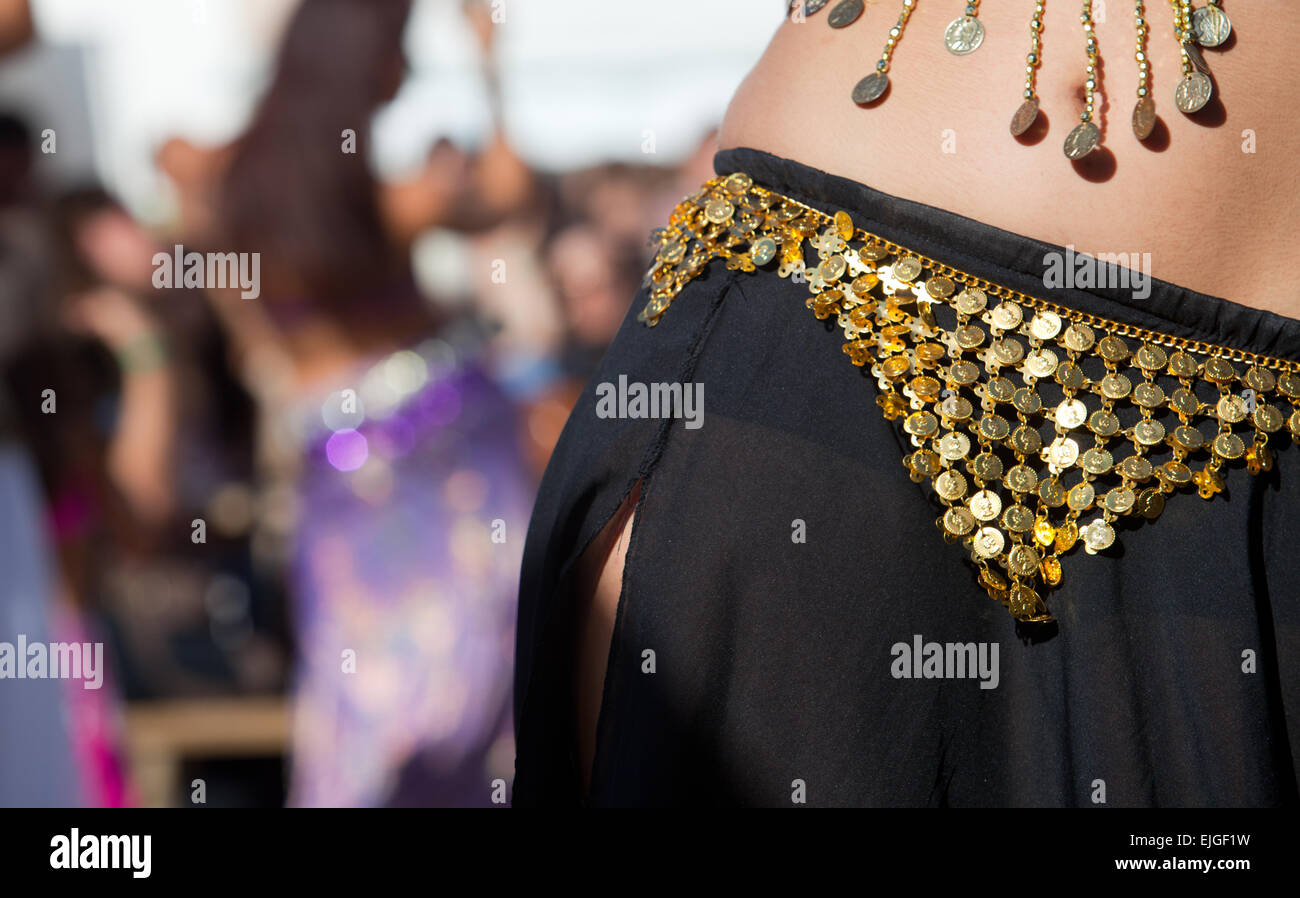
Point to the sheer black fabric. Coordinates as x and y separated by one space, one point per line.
772 658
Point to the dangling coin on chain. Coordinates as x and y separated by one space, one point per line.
1144 113
1193 92
1028 111
1196 58
873 86
1195 87
1144 118
1207 26
870 88
965 33
1085 137
1210 25
845 13
1024 117
1082 141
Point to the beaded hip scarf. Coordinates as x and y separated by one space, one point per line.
1038 427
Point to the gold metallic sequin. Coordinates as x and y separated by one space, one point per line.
1025 440
844 225
962 364
957 408
988 542
864 284
1022 560
1104 424
1150 358
1231 408
921 424
958 521
738 184
1148 432
1021 479
1062 453
896 367
1080 496
1229 445
1219 371
1051 571
1097 461
763 251
929 353
986 466
719 211
1071 414
1008 315
1026 401
1112 348
1045 326
1069 375
950 485
963 373
1098 536
1116 386
985 505
1017 519
994 427
1267 418
833 268
907 269
1041 363
972 301
1066 537
954 445
1149 395
1119 500
939 287
969 336
1051 493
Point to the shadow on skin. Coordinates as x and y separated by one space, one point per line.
1097 167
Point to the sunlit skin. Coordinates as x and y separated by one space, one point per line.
1214 218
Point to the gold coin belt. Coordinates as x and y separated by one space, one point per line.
1041 429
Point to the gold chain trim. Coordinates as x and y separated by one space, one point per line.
1013 496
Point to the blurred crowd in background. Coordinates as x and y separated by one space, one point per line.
295 520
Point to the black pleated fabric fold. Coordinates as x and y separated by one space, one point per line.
781 554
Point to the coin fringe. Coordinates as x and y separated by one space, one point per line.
876 292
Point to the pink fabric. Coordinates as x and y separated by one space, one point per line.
95 726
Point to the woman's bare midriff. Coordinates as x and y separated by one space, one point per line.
1214 199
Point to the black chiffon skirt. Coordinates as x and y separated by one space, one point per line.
781 553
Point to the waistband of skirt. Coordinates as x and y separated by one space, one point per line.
1017 262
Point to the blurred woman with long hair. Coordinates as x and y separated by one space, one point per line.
409 495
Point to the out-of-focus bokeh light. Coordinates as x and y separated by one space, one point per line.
347 450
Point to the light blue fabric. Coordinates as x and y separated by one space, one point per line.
37 768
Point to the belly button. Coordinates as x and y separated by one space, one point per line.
1078 95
